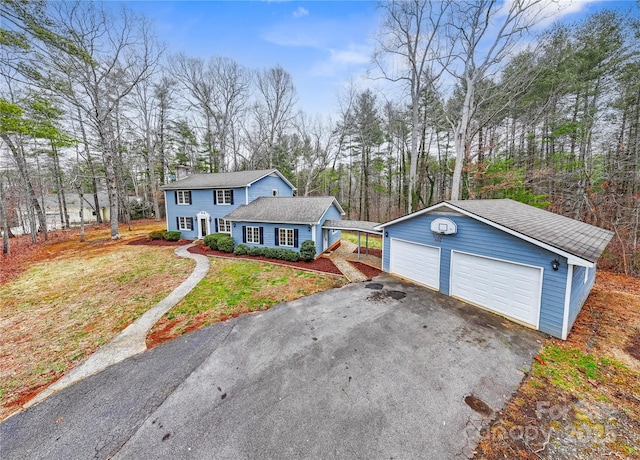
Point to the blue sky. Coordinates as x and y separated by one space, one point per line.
322 44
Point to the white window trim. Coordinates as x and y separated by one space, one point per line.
184 223
182 197
223 202
227 223
286 230
251 233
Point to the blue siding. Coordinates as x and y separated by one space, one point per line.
269 234
580 289
334 237
265 187
331 213
201 200
475 237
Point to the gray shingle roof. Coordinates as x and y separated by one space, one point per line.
577 238
220 180
362 225
290 210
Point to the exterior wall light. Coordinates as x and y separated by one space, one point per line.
555 264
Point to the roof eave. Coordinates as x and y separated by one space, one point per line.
271 171
571 258
261 221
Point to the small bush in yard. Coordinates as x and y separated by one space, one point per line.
291 256
269 253
156 235
256 251
225 243
172 235
241 250
212 240
281 254
307 250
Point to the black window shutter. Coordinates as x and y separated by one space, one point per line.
261 235
244 233
189 194
277 237
215 197
216 226
178 222
175 194
231 202
295 237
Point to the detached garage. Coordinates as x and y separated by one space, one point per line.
529 265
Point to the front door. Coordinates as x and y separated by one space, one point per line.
325 239
203 228
203 224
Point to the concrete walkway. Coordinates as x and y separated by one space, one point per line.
340 258
132 340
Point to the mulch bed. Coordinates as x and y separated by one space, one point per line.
321 264
372 252
366 270
144 241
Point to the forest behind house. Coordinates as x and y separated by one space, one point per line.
464 103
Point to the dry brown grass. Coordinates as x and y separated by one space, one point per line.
68 298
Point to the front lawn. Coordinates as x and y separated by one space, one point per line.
375 242
236 286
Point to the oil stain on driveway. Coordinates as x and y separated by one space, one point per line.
371 370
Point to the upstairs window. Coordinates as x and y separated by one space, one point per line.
274 192
183 197
223 197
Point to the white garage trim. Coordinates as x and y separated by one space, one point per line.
511 289
567 302
416 262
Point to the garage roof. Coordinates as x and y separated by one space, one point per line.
560 234
284 209
223 180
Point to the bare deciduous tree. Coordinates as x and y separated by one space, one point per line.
411 37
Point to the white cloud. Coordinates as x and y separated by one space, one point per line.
546 12
353 57
301 11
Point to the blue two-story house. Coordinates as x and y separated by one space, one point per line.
197 205
256 208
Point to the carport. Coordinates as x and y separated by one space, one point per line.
360 226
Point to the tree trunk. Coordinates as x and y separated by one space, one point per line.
6 245
461 135
23 170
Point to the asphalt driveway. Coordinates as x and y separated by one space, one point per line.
349 373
